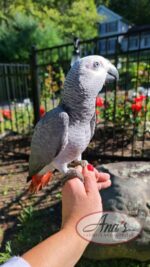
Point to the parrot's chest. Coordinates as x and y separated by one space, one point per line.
78 139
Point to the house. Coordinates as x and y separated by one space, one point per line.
138 37
112 24
111 28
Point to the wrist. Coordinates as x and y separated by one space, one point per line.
69 229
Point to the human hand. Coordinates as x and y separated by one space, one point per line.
79 200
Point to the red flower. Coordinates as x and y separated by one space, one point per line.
139 98
42 111
99 102
7 114
136 107
97 112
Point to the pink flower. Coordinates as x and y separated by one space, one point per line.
1 119
98 121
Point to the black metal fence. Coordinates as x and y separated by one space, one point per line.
123 110
16 111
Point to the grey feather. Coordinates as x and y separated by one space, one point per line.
65 132
49 138
93 125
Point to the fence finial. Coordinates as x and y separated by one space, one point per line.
76 51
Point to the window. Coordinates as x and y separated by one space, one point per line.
133 42
111 45
102 28
107 46
112 26
146 40
102 46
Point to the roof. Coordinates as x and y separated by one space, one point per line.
109 15
139 28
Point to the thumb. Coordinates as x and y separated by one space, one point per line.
89 180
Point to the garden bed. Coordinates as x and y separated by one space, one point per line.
112 141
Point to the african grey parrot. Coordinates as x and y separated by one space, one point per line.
62 135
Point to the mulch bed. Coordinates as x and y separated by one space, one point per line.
14 195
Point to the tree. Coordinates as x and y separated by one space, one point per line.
17 39
102 2
79 20
60 5
137 12
44 23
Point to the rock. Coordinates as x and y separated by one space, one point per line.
129 193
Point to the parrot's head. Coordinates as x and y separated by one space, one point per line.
87 77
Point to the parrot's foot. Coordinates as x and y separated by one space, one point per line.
39 181
72 173
82 163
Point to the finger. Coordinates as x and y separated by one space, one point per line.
104 185
102 177
79 168
74 186
70 182
89 180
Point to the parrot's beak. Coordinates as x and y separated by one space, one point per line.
112 74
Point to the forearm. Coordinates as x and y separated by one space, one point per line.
62 249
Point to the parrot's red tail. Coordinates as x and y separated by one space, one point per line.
39 181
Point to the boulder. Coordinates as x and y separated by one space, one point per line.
130 194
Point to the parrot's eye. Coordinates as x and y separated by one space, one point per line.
97 64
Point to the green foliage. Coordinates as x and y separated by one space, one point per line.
43 23
25 215
33 227
125 8
102 2
126 113
4 256
49 22
123 112
52 80
80 20
59 5
141 9
17 39
148 112
135 75
21 120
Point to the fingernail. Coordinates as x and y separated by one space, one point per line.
90 167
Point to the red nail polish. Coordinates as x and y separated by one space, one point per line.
90 167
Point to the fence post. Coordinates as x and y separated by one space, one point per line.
35 85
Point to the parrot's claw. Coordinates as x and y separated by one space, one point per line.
72 173
82 163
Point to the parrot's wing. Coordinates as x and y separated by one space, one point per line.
49 138
93 125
